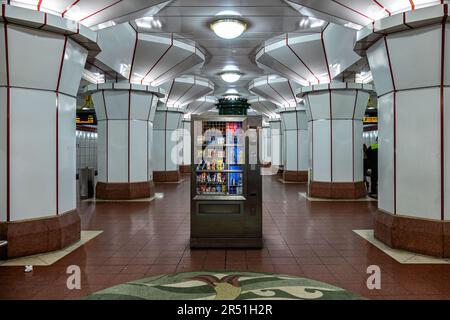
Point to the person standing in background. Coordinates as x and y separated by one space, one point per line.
372 154
365 166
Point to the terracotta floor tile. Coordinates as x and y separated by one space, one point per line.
289 269
265 268
167 260
281 253
162 269
315 269
135 269
278 261
308 239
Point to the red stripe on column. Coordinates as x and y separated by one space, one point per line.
57 123
351 9
413 5
165 141
69 7
282 98
98 11
57 153
61 64
297 149
395 152
148 131
325 52
292 91
45 21
186 92
331 136
134 54
107 138
148 170
39 5
383 7
129 135
160 58
442 113
176 65
395 123
300 59
353 134
170 91
8 124
404 21
312 137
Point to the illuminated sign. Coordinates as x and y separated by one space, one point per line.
89 119
370 120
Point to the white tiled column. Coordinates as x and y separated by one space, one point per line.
335 113
167 153
411 71
40 72
185 166
275 134
125 126
266 145
296 161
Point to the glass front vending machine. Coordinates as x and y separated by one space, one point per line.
226 184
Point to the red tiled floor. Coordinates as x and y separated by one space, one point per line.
310 239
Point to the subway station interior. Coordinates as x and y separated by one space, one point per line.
224 149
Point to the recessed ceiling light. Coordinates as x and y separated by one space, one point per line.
228 28
231 96
230 76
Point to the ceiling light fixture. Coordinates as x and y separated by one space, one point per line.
232 96
228 28
230 76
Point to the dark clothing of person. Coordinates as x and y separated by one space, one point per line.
365 166
372 155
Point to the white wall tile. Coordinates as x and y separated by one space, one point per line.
33 156
118 151
138 151
39 69
386 153
3 154
418 190
67 154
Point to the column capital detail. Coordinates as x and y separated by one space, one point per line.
416 19
92 88
334 86
38 20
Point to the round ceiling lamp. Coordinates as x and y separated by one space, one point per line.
230 76
228 28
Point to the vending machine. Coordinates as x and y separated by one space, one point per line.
226 182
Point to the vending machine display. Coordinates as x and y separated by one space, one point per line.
226 182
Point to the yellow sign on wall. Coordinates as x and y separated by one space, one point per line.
89 120
370 120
